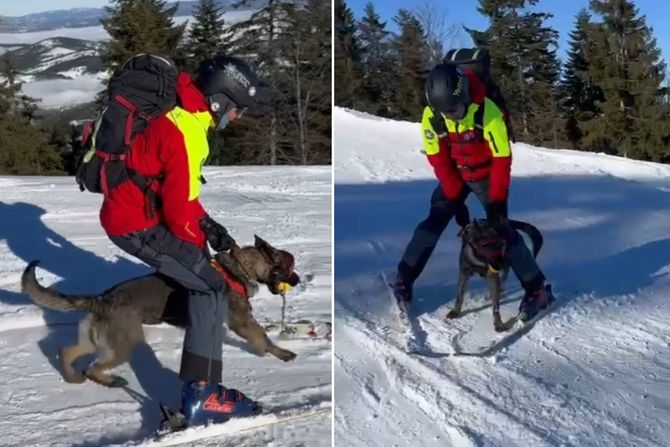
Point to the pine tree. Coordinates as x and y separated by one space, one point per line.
9 89
626 63
257 40
139 26
306 45
26 149
580 95
375 48
525 65
290 44
205 36
348 72
412 57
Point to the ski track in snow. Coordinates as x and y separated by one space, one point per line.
592 373
47 218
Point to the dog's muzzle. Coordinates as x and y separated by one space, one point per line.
284 274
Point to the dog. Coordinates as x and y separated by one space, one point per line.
113 327
483 253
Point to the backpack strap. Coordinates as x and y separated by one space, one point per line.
479 120
437 121
152 201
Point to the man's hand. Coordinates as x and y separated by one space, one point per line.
216 234
496 213
461 212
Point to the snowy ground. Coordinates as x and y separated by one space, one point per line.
595 372
47 218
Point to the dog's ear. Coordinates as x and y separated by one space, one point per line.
266 249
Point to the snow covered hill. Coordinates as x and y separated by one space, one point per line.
87 17
62 68
57 57
594 372
47 218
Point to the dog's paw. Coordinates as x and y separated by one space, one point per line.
117 381
74 377
453 314
287 355
501 327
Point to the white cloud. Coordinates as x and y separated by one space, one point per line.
64 92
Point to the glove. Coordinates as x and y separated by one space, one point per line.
462 215
216 234
461 212
496 213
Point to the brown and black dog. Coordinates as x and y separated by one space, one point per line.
483 253
113 327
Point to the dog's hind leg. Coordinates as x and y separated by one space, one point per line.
97 371
463 278
69 354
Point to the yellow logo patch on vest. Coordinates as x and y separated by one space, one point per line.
430 135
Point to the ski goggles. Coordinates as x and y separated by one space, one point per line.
455 114
226 118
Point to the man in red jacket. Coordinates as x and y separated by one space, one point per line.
172 235
465 139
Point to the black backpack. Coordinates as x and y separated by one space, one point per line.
143 90
479 61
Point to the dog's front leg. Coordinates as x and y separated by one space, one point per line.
255 335
494 285
463 278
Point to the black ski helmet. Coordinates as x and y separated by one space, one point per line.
448 90
229 82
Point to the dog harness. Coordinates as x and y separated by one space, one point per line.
232 282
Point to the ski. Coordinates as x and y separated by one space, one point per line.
235 426
407 338
518 329
317 330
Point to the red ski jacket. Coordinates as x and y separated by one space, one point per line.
171 151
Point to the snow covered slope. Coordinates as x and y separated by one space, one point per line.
47 218
594 372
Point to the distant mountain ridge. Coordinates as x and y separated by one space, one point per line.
57 58
82 17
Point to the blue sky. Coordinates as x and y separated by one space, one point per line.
465 12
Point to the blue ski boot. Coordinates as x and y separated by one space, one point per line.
532 303
203 403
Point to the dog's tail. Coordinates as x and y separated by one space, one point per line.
532 232
51 298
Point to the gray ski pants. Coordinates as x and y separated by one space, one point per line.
190 266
